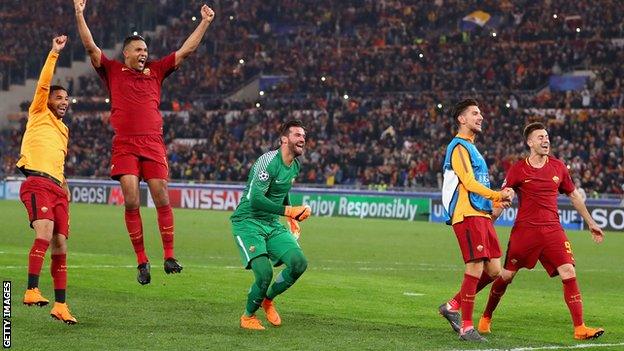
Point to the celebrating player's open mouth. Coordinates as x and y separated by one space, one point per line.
300 146
142 61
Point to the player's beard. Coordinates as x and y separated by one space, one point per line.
295 150
59 110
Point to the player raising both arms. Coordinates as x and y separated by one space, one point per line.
537 233
138 150
467 200
260 237
44 192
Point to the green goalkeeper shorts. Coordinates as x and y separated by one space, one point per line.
256 238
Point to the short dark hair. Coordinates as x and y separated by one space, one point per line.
461 106
531 127
132 38
285 127
54 88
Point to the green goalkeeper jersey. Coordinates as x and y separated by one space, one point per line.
266 192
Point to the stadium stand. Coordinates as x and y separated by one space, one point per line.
372 80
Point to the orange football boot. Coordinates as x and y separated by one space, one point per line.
33 297
271 313
484 325
584 333
252 322
61 312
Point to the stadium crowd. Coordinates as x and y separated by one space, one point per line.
394 142
372 80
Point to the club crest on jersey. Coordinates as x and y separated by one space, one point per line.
555 179
263 176
480 248
147 71
252 249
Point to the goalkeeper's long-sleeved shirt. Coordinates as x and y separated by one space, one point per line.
267 188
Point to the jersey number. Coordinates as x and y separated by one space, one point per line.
568 247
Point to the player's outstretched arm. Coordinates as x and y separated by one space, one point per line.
579 205
40 100
192 42
93 50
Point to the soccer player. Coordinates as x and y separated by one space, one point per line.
467 200
537 233
44 192
261 239
138 150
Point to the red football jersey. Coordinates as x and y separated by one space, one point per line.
537 190
135 96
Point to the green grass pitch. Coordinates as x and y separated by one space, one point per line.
370 285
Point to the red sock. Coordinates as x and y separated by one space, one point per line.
135 231
455 302
496 293
485 279
58 268
468 292
165 225
572 296
37 255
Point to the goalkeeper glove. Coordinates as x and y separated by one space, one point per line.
295 230
300 213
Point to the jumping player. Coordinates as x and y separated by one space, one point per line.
138 149
44 192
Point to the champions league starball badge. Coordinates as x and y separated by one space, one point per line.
263 176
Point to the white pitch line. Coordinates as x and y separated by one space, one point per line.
407 293
553 347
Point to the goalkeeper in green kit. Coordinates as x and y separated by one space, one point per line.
263 242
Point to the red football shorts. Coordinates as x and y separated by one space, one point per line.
548 244
44 199
144 156
477 239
